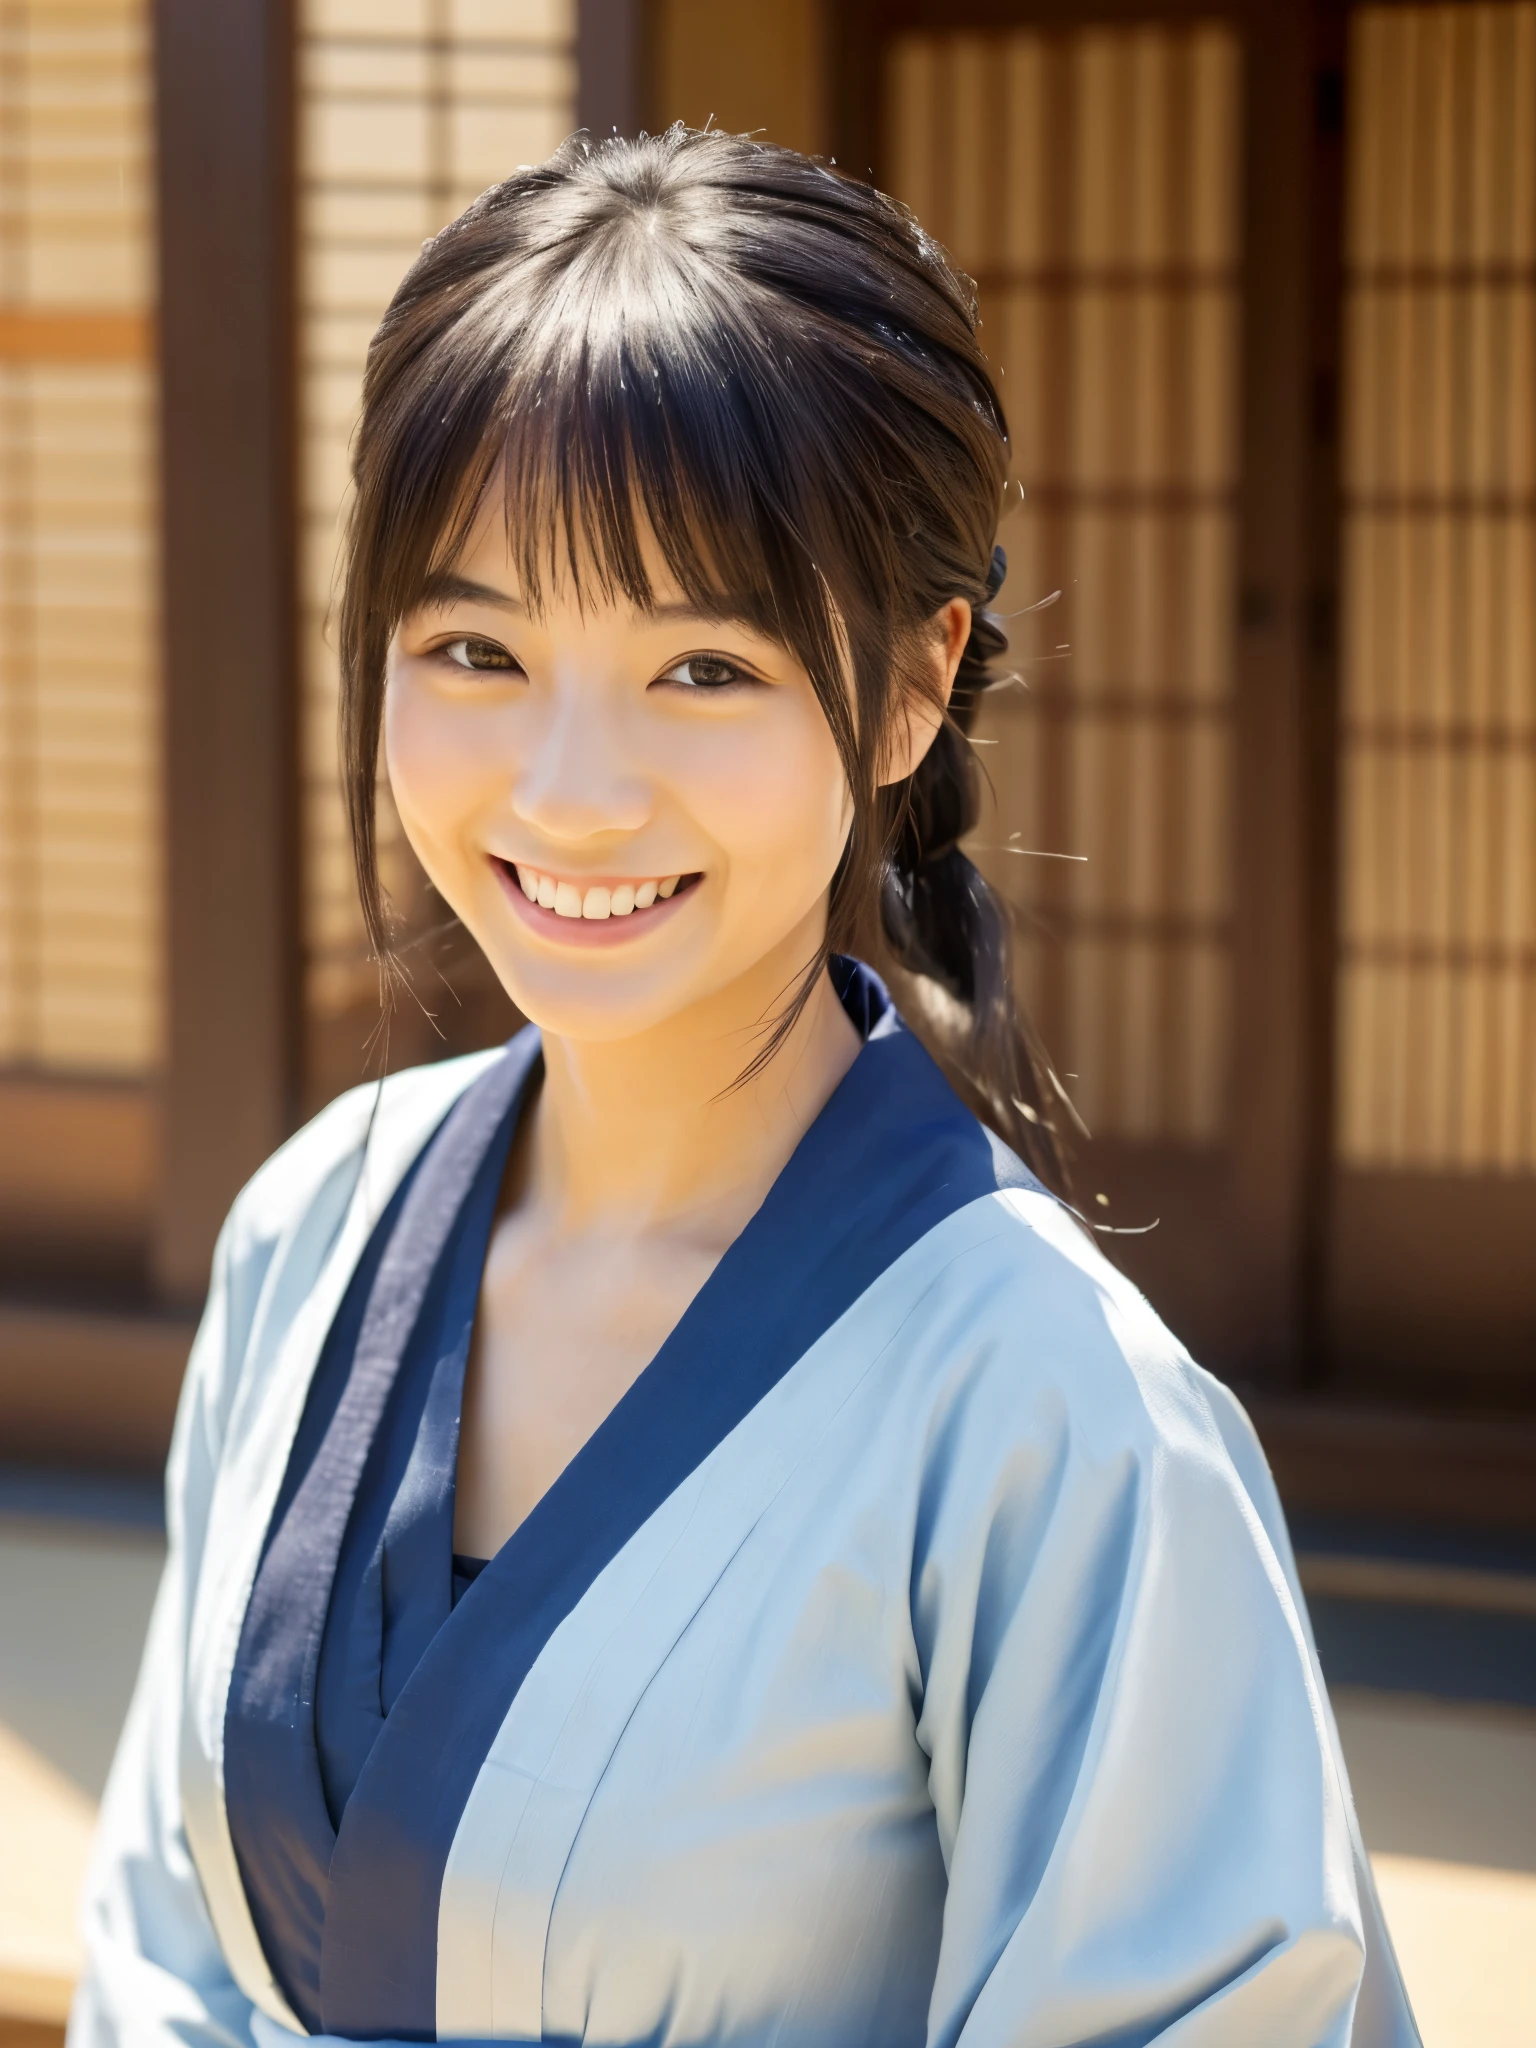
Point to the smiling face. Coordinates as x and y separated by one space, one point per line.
631 811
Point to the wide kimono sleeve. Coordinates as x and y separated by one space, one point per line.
1147 1831
154 1970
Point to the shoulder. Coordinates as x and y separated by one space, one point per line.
344 1164
306 1213
1062 1437
1033 1338
368 1135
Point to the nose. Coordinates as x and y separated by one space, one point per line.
579 780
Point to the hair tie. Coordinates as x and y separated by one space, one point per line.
930 856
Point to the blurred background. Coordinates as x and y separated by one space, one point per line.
1260 280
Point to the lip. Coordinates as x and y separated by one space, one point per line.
598 932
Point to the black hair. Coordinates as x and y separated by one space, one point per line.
773 372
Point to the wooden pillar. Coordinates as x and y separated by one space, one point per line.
609 65
854 53
1285 709
224 96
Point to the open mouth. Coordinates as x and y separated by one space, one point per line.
559 896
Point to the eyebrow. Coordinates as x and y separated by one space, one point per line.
726 612
448 589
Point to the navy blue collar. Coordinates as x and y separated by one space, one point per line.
892 1154
366 1499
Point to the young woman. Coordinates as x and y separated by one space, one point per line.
676 1536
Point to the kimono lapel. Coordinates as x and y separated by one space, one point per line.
273 1786
302 1290
889 1158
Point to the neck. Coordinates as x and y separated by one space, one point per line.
653 1133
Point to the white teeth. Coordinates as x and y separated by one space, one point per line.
572 899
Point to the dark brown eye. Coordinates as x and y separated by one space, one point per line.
479 654
705 672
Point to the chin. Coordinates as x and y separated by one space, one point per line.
593 996
591 1015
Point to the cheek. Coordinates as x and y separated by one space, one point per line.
773 797
443 762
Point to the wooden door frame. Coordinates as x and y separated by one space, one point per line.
1283 703
1336 1447
128 1179
1404 1253
94 1332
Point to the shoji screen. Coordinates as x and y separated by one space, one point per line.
408 109
1087 179
80 968
1438 972
1436 1095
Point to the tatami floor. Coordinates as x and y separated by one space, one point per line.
1446 1793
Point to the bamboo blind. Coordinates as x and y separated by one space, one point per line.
80 962
408 110
1088 180
1438 911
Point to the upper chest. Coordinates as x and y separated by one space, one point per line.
566 1321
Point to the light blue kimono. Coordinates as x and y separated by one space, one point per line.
914 1656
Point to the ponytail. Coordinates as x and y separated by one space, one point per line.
951 935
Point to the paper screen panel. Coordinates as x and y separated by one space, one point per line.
80 924
1088 180
1437 1065
408 110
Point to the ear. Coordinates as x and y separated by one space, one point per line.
916 727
